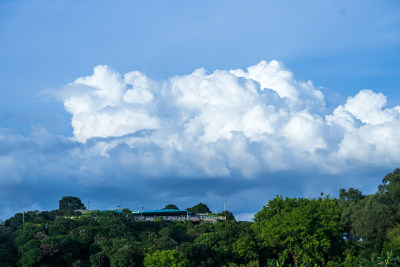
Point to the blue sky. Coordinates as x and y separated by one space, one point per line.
135 130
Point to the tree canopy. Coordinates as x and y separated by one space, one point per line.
308 231
70 203
199 208
352 230
171 207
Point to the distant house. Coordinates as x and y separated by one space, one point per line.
175 215
168 215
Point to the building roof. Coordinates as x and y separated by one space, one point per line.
116 211
165 212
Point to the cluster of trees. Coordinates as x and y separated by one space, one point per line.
352 230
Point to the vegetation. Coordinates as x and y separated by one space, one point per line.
352 230
171 207
199 208
70 203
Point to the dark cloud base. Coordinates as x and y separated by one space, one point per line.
242 196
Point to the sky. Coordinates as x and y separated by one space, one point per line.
140 104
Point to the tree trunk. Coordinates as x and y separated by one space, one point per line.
296 260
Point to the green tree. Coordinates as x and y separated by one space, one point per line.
78 263
245 249
200 254
14 221
31 254
112 225
367 220
126 256
26 233
229 215
48 215
170 207
170 258
85 234
62 226
350 195
8 251
221 240
99 260
60 249
389 195
70 203
393 241
199 208
307 230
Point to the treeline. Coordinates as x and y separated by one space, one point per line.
352 230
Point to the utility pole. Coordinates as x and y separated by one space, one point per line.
224 211
88 203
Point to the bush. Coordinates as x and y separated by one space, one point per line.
171 258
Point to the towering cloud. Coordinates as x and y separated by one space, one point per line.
107 108
226 135
239 121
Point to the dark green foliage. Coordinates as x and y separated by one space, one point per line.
389 195
8 252
19 218
199 208
30 252
353 230
14 221
126 257
26 233
70 203
99 260
222 242
229 215
171 258
48 215
80 263
350 195
61 226
367 220
301 230
393 240
201 254
170 207
245 248
61 249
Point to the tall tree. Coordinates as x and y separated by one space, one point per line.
70 203
199 208
309 231
368 220
389 194
350 195
170 207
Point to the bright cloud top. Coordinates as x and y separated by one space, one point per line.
248 121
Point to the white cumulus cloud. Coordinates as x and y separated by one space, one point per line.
249 121
109 107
